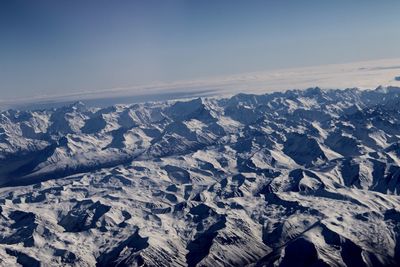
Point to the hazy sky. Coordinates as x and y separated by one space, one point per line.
53 47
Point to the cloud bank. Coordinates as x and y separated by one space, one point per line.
364 75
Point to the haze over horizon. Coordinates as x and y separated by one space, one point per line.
58 47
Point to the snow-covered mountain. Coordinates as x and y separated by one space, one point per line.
296 178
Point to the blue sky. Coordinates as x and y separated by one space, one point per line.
53 47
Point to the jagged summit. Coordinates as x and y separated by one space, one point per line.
302 177
78 105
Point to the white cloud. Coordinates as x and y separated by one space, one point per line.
367 74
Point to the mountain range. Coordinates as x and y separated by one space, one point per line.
296 178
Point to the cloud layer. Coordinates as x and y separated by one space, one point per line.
364 75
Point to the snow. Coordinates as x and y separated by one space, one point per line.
297 177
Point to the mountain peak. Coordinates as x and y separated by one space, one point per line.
249 180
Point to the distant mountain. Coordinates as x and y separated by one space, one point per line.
296 178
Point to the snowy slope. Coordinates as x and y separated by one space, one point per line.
302 177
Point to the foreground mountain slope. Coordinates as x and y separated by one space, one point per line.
310 178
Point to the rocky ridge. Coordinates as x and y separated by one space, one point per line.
309 177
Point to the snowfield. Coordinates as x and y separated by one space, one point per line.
296 178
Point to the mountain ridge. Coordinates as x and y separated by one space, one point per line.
246 180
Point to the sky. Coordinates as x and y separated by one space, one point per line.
50 47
